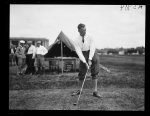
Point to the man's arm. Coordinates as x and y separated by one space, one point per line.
92 49
79 52
34 51
17 52
44 50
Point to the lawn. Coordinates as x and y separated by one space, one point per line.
122 89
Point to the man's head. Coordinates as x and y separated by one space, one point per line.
11 45
22 43
14 46
26 45
38 43
82 29
29 43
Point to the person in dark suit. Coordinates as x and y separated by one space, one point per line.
30 58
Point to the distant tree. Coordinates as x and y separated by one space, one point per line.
120 49
113 51
98 50
130 51
141 50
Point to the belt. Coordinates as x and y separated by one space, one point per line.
39 55
85 51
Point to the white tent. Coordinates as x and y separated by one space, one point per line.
62 47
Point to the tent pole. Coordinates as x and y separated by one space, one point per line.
62 57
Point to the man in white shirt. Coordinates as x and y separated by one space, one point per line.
39 62
30 58
12 54
85 49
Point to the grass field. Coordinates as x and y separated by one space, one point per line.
122 89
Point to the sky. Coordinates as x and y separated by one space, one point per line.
110 25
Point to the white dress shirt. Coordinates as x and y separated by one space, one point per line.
87 45
12 51
41 50
31 50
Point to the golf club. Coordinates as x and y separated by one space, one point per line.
81 89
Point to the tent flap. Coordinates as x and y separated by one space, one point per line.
66 40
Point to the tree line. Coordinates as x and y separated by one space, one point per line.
139 50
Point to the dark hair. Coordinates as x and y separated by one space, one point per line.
81 26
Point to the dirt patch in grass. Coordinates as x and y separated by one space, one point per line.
61 99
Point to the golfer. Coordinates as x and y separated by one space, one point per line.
85 49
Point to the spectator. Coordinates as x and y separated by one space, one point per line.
12 55
30 58
20 53
39 62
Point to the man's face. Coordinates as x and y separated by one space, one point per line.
29 44
11 46
22 44
82 31
38 44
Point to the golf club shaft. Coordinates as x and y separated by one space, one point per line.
82 87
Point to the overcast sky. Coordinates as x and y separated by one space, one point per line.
108 24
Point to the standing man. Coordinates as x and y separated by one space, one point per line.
30 58
14 48
39 63
11 54
85 49
20 53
